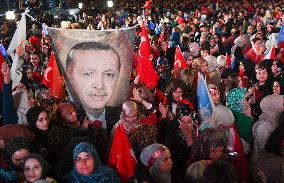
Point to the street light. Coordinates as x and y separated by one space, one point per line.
10 15
109 4
80 5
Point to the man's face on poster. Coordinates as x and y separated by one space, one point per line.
93 75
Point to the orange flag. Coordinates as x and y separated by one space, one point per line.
121 155
148 75
179 60
52 78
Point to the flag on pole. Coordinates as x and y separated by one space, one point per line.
151 25
233 62
205 102
44 29
229 60
271 54
148 75
16 49
52 78
179 60
121 156
3 51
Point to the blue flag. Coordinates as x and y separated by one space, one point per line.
151 26
280 37
204 105
44 29
158 29
3 50
233 63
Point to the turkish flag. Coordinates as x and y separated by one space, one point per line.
271 54
179 60
121 156
52 78
148 75
229 60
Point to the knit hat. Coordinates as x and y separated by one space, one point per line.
32 116
152 153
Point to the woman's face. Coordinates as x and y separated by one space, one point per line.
177 94
32 170
189 60
276 88
18 156
42 121
215 94
85 163
29 74
204 67
212 42
72 115
216 153
257 44
166 162
274 68
131 117
261 75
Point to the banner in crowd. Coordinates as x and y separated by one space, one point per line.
16 49
96 65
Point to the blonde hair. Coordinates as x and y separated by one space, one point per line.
196 63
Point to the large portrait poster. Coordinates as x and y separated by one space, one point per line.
96 65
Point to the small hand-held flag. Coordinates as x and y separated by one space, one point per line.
121 156
179 60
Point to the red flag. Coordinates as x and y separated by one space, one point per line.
52 78
2 60
179 60
271 54
148 76
121 155
229 60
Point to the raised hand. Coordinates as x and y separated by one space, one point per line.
5 70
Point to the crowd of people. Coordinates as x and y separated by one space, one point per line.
231 44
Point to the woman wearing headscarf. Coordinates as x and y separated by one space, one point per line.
36 169
66 123
269 166
271 107
208 148
13 154
157 159
178 135
39 124
88 168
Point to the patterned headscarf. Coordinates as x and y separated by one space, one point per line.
101 174
235 99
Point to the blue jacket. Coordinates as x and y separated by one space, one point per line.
9 112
